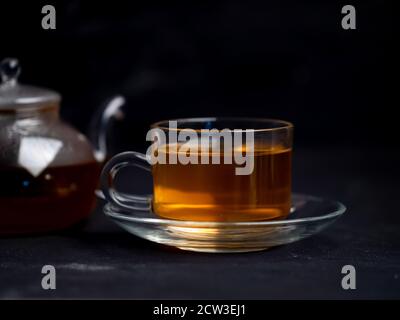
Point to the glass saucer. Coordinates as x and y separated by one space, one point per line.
309 215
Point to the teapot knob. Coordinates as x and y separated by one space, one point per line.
9 70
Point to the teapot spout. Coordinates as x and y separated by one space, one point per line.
100 125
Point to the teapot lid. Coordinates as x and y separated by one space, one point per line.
15 97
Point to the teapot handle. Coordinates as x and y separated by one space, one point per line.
100 125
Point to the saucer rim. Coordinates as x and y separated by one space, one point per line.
110 211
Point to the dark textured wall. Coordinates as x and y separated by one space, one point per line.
285 59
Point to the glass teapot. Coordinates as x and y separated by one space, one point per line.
49 171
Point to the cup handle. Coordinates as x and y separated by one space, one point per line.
110 170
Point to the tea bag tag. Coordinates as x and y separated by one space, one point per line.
36 153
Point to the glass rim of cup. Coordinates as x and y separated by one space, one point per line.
280 124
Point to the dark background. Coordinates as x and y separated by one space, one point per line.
286 59
281 59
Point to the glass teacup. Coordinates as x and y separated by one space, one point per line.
212 169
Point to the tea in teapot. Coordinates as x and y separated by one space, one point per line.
58 197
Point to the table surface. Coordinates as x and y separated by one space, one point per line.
102 261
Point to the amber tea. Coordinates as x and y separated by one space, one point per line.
59 197
212 192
